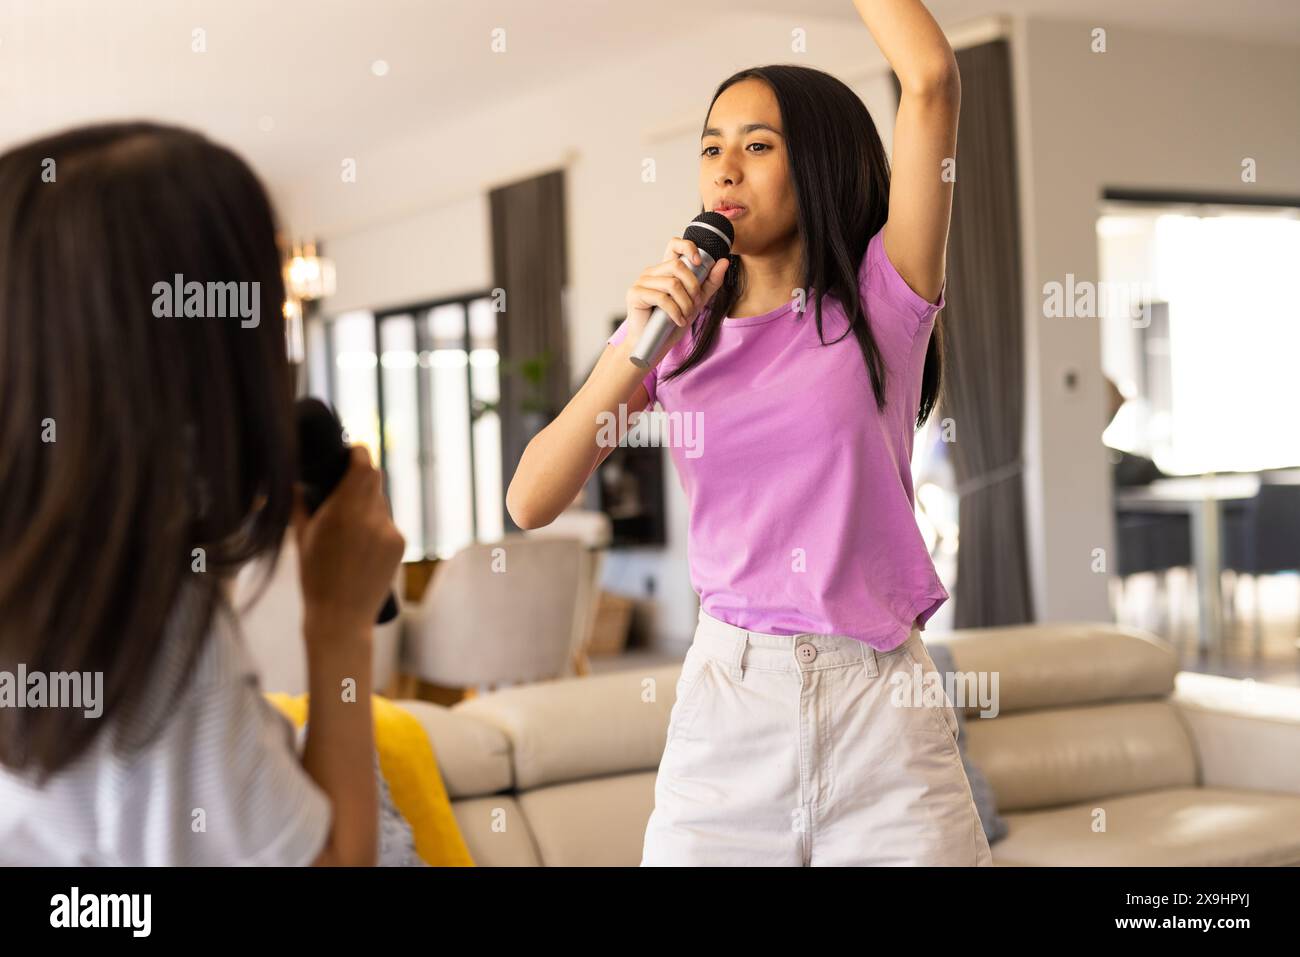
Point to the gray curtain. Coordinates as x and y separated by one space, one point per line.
529 265
984 349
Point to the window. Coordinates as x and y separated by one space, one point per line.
419 387
1208 366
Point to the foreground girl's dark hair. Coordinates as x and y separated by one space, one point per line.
128 441
841 184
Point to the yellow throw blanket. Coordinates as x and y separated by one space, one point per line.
407 762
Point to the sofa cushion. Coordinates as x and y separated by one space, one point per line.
577 728
496 831
473 756
599 822
1173 827
1058 665
1062 756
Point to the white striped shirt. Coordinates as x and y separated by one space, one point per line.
221 784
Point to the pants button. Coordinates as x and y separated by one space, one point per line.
806 651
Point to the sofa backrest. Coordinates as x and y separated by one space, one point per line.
1082 711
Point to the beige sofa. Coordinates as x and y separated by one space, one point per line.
1101 753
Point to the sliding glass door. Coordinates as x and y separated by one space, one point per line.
419 387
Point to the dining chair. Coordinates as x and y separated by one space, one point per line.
1262 537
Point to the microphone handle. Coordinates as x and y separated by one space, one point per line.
660 326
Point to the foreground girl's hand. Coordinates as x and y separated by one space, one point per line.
348 551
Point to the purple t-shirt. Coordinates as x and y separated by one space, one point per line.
801 502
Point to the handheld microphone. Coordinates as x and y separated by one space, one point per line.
323 459
713 235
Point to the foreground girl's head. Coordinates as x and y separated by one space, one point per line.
144 454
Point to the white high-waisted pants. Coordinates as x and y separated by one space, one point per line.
809 750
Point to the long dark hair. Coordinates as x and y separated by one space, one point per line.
129 441
841 185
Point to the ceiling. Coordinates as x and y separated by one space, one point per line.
288 80
1272 21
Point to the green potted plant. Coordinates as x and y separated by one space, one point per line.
534 408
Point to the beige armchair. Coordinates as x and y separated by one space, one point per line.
503 613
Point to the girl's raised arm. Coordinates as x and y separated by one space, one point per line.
925 138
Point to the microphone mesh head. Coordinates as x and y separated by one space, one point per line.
323 458
707 239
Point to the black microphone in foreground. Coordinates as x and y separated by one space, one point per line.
323 459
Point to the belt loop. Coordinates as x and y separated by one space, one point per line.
870 667
738 657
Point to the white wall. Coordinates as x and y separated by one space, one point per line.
431 253
1155 110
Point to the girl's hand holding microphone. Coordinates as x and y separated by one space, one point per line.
560 459
672 287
